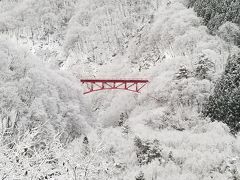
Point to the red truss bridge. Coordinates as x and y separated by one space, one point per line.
134 85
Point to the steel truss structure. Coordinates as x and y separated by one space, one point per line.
133 85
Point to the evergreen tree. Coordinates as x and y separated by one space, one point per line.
140 176
203 67
147 151
122 119
85 149
182 73
224 103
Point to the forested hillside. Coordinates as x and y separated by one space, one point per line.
220 16
185 123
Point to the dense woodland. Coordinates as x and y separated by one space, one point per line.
217 12
184 125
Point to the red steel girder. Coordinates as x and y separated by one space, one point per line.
134 85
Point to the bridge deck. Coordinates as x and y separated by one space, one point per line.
115 80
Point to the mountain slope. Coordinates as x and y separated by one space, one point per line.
51 131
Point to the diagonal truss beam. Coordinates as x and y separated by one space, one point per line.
133 85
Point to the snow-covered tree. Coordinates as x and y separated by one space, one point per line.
204 67
32 95
230 32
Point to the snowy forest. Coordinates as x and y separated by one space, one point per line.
184 125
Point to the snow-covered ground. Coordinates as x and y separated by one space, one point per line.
50 130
